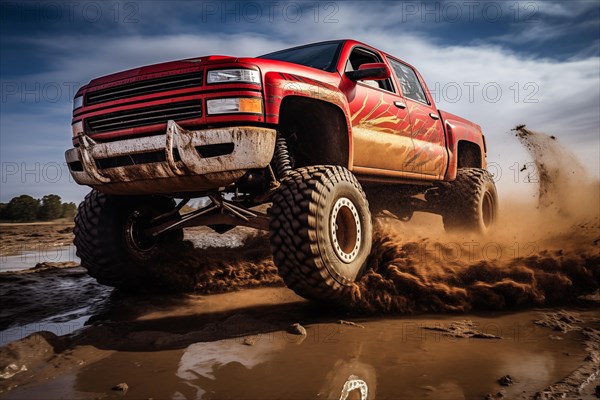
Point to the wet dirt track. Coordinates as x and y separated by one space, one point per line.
238 345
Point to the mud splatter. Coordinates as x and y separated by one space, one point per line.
564 185
420 276
544 254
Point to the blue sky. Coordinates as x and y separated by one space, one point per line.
496 63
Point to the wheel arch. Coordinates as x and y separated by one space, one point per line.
465 143
318 131
468 155
285 93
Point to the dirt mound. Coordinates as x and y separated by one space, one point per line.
219 269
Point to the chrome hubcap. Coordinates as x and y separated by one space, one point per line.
345 230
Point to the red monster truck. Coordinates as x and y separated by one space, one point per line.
309 129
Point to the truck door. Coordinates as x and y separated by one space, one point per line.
381 128
428 157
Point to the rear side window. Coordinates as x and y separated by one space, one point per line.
411 87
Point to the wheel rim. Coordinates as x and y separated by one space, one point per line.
345 230
134 237
487 209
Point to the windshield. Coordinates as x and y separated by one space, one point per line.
319 55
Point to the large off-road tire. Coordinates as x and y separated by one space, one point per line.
470 203
320 231
109 242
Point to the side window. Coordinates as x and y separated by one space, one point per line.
411 87
362 56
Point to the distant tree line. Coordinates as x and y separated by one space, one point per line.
25 208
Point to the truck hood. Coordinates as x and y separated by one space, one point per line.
191 63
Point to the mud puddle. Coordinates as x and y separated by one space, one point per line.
49 297
45 289
239 345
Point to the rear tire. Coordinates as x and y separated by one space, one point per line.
470 202
321 231
109 242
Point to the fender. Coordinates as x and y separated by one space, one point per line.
459 129
278 85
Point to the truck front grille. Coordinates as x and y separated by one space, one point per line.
148 86
143 116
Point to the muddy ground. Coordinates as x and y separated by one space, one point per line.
18 238
514 315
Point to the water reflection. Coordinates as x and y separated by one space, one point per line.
29 259
202 363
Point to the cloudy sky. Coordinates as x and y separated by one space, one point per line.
497 63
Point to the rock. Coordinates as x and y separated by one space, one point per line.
249 341
506 380
11 370
121 387
47 265
297 329
598 391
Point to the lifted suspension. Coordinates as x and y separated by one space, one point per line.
218 212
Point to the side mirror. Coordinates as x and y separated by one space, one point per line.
370 72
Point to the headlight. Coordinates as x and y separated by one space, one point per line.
233 75
252 105
77 102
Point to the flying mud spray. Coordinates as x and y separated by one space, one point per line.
544 254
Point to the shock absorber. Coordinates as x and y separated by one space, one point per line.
283 162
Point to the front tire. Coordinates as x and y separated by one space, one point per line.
321 231
109 239
470 202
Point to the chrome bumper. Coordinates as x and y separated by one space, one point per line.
183 170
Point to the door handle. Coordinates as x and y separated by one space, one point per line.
400 104
434 116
